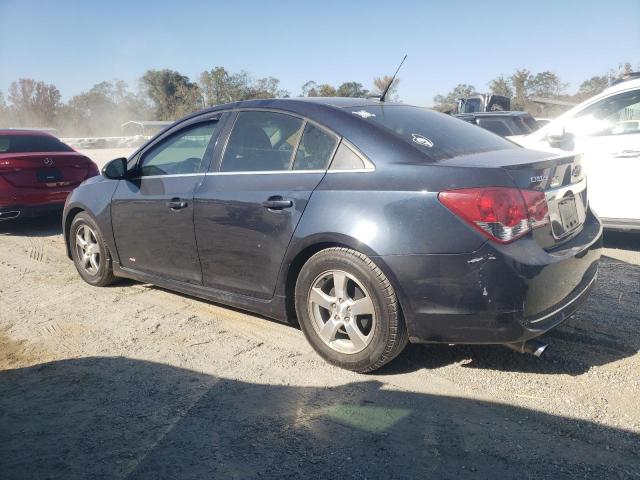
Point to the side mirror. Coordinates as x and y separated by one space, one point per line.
558 136
115 169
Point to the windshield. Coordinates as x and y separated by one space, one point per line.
31 143
471 105
438 135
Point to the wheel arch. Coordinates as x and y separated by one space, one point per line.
305 250
68 220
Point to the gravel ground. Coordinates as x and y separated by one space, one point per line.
133 381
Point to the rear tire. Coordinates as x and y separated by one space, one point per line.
89 252
349 311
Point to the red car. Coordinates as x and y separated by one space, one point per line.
37 172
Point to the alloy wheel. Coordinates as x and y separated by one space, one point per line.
342 311
88 249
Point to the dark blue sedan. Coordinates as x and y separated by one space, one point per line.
371 224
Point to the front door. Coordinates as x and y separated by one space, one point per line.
152 212
608 135
247 210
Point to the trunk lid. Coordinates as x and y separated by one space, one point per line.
561 178
44 170
564 183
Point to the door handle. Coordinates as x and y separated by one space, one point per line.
627 154
177 204
277 203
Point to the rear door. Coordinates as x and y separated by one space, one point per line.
247 209
152 212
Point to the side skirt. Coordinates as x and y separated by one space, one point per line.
273 308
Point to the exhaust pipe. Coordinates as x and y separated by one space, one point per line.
533 347
9 215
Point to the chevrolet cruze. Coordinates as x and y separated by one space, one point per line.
370 224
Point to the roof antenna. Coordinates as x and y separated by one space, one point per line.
386 90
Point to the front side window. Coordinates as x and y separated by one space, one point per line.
315 150
615 115
261 141
182 153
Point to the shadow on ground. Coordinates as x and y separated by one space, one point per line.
44 226
125 418
623 240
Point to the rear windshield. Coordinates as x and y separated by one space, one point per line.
438 135
31 143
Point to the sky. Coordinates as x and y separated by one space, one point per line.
76 44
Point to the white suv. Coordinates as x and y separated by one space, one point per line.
606 130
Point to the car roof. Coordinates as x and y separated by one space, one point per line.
25 131
623 85
497 113
301 105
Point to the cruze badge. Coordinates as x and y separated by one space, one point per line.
421 140
48 161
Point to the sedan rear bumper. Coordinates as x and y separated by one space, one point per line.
498 294
22 211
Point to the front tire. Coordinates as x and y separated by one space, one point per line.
89 252
348 310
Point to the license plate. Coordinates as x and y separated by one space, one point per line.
569 214
49 175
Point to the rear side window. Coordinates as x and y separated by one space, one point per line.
438 135
261 141
346 158
315 149
31 144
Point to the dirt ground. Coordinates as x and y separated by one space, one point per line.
133 381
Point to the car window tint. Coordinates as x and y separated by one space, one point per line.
181 153
615 115
315 149
261 141
347 159
31 143
496 126
437 135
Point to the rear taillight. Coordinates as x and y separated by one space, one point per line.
502 214
6 167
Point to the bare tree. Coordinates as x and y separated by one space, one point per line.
501 86
447 102
34 103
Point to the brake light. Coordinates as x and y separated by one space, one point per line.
6 167
502 214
